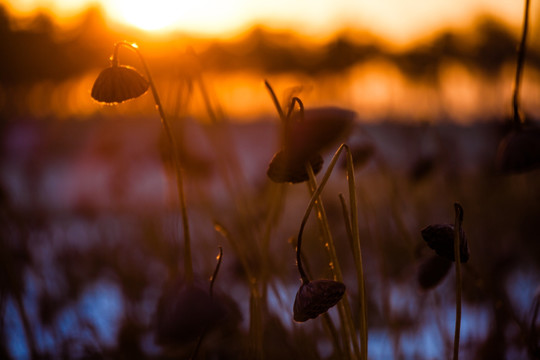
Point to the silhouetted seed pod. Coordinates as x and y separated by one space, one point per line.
318 129
315 298
519 151
286 168
440 237
432 271
184 312
116 84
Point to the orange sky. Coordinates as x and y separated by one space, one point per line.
396 20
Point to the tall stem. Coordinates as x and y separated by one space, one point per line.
316 201
457 245
520 63
188 265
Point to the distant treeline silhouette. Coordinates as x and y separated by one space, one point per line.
43 51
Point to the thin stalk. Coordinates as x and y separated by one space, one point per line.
327 320
275 100
518 121
211 292
255 311
457 244
357 254
188 264
295 100
344 308
315 190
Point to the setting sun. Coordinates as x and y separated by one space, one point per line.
206 16
148 15
390 19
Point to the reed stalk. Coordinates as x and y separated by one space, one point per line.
188 264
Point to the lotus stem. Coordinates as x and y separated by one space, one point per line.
188 264
518 121
457 253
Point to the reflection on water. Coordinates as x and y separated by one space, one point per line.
376 89
100 233
90 232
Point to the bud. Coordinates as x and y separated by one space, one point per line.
312 130
184 312
440 237
306 133
315 298
285 167
432 271
117 84
519 151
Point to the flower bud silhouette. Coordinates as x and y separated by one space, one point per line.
284 167
313 130
519 151
315 298
185 310
440 237
304 134
117 84
432 271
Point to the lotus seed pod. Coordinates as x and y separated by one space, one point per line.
315 298
184 312
440 237
432 271
317 129
287 168
117 84
519 151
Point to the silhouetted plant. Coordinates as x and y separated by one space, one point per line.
120 83
117 84
304 134
519 150
186 310
316 297
432 271
450 244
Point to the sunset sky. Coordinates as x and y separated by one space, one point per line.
396 20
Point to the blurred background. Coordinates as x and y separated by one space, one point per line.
90 227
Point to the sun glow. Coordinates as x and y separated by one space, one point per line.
148 15
390 19
205 16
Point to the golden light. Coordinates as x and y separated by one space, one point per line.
203 16
147 15
396 21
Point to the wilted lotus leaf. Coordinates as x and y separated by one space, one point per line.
285 167
184 312
116 84
432 271
316 130
315 298
440 237
519 151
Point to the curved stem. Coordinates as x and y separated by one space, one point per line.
314 198
295 100
275 100
344 308
216 270
457 254
518 121
188 265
